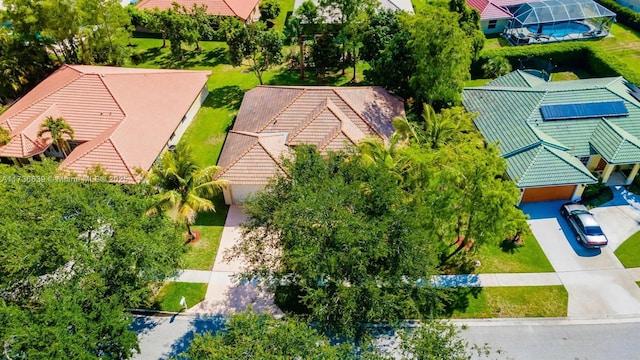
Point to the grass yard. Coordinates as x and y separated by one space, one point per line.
517 302
629 252
168 298
476 82
201 254
526 258
624 45
286 8
207 133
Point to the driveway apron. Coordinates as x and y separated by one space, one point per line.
225 294
595 279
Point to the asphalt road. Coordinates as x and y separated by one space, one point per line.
559 339
607 339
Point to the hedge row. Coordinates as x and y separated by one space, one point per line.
624 14
571 54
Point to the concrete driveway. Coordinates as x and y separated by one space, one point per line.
595 279
620 217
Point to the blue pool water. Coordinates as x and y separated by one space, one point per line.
560 30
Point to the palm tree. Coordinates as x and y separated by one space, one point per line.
496 66
5 136
185 188
57 129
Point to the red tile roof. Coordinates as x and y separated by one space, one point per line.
271 118
239 8
490 9
122 117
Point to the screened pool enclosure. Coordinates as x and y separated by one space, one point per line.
557 20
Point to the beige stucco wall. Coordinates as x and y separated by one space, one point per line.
188 117
236 194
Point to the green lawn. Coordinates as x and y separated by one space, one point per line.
516 302
624 45
206 135
629 251
286 7
201 254
476 82
168 298
526 258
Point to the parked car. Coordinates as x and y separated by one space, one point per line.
584 225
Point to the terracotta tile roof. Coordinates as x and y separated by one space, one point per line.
274 117
122 117
239 8
491 9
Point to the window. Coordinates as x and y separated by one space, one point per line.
584 160
492 24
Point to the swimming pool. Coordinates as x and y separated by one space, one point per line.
559 30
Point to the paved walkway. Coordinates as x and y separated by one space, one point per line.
224 294
597 283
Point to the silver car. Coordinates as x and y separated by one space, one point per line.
584 225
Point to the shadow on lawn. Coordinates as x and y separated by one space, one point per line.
214 218
292 77
192 58
228 97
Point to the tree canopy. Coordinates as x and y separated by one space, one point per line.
253 43
186 189
442 52
357 235
74 254
252 336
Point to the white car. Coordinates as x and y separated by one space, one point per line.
584 225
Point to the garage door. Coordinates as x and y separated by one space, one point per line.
548 193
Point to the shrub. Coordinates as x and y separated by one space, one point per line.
595 59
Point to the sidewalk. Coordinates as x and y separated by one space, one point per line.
225 294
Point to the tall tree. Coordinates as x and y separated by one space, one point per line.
442 53
269 10
352 19
106 30
57 128
386 48
202 21
185 188
261 48
252 336
469 22
90 254
346 237
325 53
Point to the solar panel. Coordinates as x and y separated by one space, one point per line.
583 110
633 90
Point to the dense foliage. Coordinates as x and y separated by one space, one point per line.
356 236
253 43
73 255
424 57
251 336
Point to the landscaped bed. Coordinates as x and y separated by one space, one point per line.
629 252
516 302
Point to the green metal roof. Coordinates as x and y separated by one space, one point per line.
509 114
615 145
517 78
545 166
